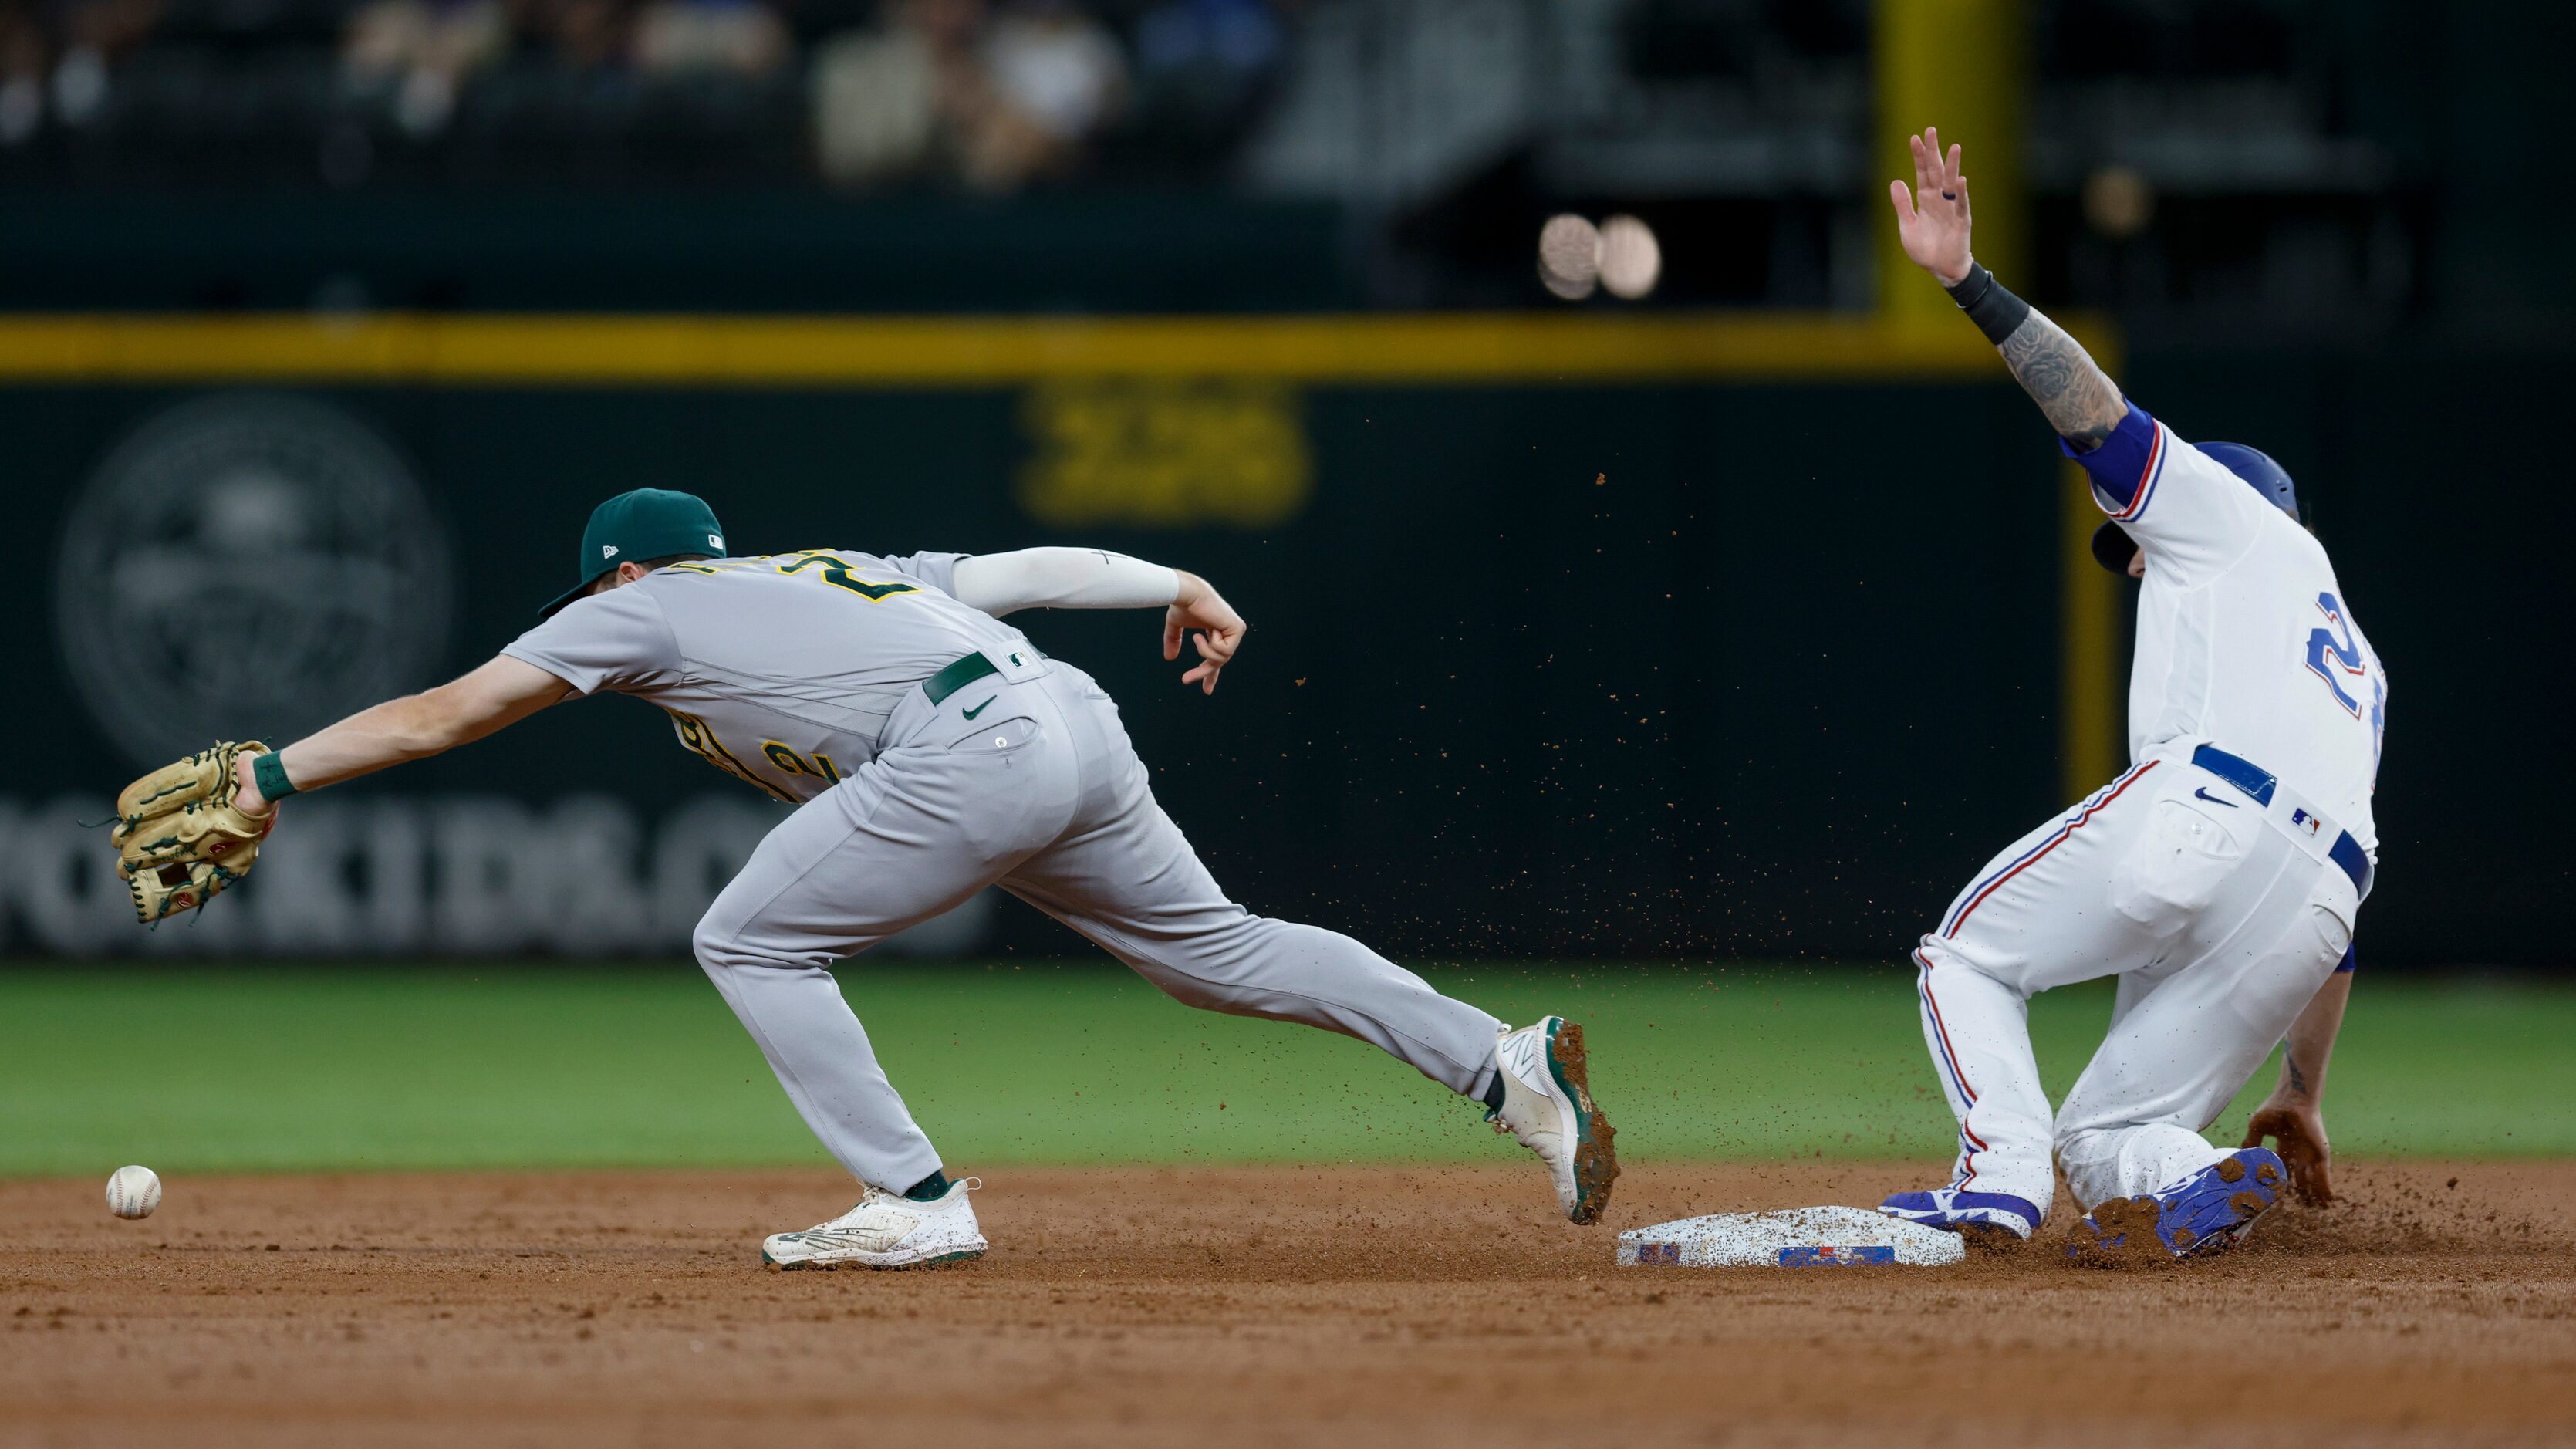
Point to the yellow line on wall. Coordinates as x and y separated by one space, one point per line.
525 350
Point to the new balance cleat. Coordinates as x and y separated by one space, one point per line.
886 1231
1975 1214
1547 1106
2208 1211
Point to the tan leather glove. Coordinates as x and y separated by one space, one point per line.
180 840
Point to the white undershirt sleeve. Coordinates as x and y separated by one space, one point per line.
1062 578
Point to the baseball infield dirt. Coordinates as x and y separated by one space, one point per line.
1253 1307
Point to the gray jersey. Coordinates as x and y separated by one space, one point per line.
779 670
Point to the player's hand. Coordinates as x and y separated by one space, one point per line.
246 792
1932 220
2298 1130
1220 630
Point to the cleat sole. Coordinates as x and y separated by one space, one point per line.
1596 1158
963 1255
2143 1229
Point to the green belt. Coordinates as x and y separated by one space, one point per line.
959 673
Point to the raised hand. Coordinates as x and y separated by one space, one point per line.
1932 219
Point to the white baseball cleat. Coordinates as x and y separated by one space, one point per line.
886 1230
1547 1105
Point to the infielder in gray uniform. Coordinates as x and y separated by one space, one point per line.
932 751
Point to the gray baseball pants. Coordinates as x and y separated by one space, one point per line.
1042 793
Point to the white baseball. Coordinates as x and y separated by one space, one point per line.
1569 256
133 1192
1631 258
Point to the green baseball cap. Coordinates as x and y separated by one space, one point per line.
647 523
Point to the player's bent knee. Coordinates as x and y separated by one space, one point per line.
716 944
2101 1136
1935 953
1190 991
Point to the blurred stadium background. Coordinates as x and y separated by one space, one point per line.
1622 638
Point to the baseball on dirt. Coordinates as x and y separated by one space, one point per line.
133 1192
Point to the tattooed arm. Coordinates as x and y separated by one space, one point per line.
2294 1115
2079 399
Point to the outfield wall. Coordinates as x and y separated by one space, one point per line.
1572 636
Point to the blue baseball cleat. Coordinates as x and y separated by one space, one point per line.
2207 1212
1972 1213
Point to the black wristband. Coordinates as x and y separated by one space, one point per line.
1996 311
270 774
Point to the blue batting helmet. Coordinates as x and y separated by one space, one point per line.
2113 548
2256 467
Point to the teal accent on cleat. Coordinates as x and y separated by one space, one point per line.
1548 1107
886 1231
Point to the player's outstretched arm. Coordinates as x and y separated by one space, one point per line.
1932 220
416 726
2294 1115
1091 578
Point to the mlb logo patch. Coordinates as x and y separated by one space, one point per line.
1826 1257
1659 1255
2304 821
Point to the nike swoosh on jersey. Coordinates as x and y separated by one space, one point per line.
979 709
2202 792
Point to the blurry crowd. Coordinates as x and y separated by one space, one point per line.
989 95
996 95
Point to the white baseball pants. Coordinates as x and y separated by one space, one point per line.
2220 928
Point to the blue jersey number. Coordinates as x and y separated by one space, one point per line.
2334 655
2335 642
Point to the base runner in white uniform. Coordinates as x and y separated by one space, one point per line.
932 751
2218 877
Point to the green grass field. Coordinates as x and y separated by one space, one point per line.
367 1067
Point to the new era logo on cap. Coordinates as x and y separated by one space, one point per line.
608 550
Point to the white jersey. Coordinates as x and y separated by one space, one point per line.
2245 638
779 670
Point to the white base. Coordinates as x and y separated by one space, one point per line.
1756 1240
